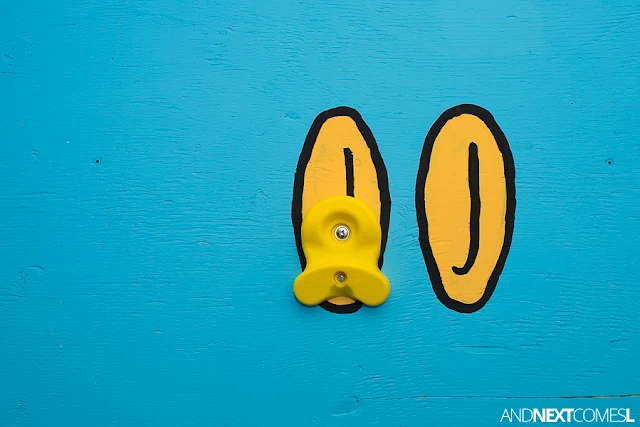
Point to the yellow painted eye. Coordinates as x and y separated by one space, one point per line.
465 202
340 157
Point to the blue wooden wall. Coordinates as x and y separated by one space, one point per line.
147 153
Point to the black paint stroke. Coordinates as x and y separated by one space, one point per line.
298 188
341 309
474 216
348 165
423 225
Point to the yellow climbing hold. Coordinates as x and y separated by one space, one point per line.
341 240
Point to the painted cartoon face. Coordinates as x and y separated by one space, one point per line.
465 207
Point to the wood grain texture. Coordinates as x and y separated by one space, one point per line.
147 153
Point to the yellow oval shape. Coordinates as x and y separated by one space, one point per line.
465 203
340 157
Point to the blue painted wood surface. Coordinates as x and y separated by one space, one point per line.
147 152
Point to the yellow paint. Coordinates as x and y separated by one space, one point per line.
325 173
341 301
447 204
327 257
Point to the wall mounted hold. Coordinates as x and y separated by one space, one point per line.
465 205
341 240
340 213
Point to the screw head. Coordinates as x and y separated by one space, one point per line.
341 277
342 232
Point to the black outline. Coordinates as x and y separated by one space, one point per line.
298 187
341 309
474 214
423 235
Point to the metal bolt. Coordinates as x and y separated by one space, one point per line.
342 232
341 277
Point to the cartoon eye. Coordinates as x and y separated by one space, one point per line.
340 157
465 205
